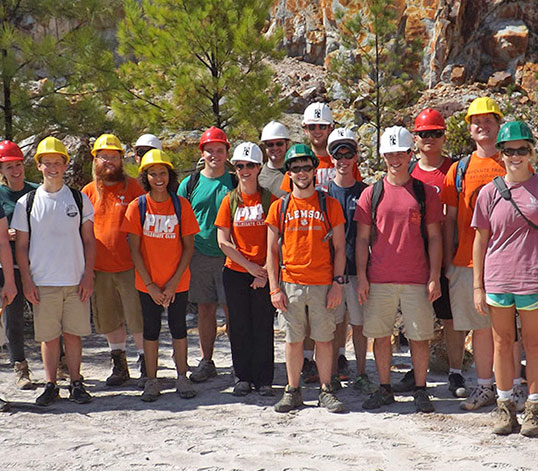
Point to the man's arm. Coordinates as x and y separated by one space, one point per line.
435 255
449 235
362 252
278 298
9 290
85 287
334 295
22 245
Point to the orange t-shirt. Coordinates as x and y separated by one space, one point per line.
479 172
112 249
307 258
161 246
249 231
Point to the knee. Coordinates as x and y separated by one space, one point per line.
504 341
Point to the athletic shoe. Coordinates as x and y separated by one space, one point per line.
329 401
480 397
343 368
422 401
241 388
184 388
456 385
378 399
309 372
529 426
505 414
205 370
49 395
406 384
266 390
152 390
519 396
363 385
291 399
78 394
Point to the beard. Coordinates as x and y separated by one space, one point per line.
109 175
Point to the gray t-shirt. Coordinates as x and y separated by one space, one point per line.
270 179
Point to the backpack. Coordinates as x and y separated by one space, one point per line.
142 205
195 178
505 192
420 196
463 164
266 202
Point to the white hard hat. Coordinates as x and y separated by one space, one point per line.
395 139
149 140
341 137
248 152
274 130
318 113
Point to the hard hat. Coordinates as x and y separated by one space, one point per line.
106 142
152 157
248 152
10 151
213 134
149 140
514 131
483 105
429 120
317 113
341 137
274 130
51 145
299 151
395 139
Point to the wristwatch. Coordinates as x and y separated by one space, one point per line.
339 279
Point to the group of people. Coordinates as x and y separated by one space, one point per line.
300 234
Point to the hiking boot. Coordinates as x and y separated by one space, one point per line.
291 399
266 390
343 368
329 401
241 388
406 384
529 426
152 390
309 372
141 364
380 398
78 394
22 374
505 414
363 385
184 388
49 395
120 370
4 406
422 401
205 370
336 385
519 396
456 385
480 397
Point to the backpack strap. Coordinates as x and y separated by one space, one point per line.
505 192
461 168
322 197
284 203
377 194
77 196
143 203
411 166
420 196
29 204
191 183
266 200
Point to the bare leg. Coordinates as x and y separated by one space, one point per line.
483 352
151 354
360 343
324 353
455 344
383 357
73 355
50 353
420 356
294 362
207 328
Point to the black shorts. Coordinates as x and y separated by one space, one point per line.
441 306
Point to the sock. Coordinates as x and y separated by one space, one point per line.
342 351
386 387
485 382
517 381
505 394
117 346
140 351
420 388
533 397
309 354
454 371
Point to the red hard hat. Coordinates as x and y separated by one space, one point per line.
429 119
10 151
213 134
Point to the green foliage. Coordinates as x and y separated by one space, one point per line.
458 140
195 64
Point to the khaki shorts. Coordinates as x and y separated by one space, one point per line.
206 279
350 303
382 306
60 311
295 322
466 317
115 302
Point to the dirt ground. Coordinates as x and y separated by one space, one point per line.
217 431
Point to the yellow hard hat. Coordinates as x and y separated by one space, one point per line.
106 142
483 105
51 145
152 157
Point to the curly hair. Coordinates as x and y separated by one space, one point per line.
172 186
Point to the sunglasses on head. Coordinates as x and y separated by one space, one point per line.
344 155
508 151
249 165
437 133
273 144
301 168
313 127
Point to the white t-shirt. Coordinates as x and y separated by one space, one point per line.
56 252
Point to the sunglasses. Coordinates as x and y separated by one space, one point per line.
249 165
343 155
273 144
436 133
313 127
301 168
508 151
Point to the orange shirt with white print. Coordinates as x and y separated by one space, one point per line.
248 231
307 258
112 249
161 246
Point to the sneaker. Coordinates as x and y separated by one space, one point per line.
519 396
49 395
380 398
152 390
406 384
529 426
480 397
120 370
336 384
422 401
266 390
205 370
241 388
291 399
78 394
505 414
343 368
456 385
309 372
22 375
363 385
329 401
184 388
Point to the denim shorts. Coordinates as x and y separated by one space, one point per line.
523 302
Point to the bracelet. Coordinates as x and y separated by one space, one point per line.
479 287
275 291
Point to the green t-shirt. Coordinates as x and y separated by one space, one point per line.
205 200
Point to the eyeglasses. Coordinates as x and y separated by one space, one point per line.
436 133
508 151
108 158
273 144
249 165
344 155
313 127
301 168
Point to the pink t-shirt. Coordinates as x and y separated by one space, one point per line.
397 254
511 264
435 177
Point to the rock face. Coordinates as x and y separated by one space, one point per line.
464 40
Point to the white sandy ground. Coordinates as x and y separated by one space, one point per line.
217 431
